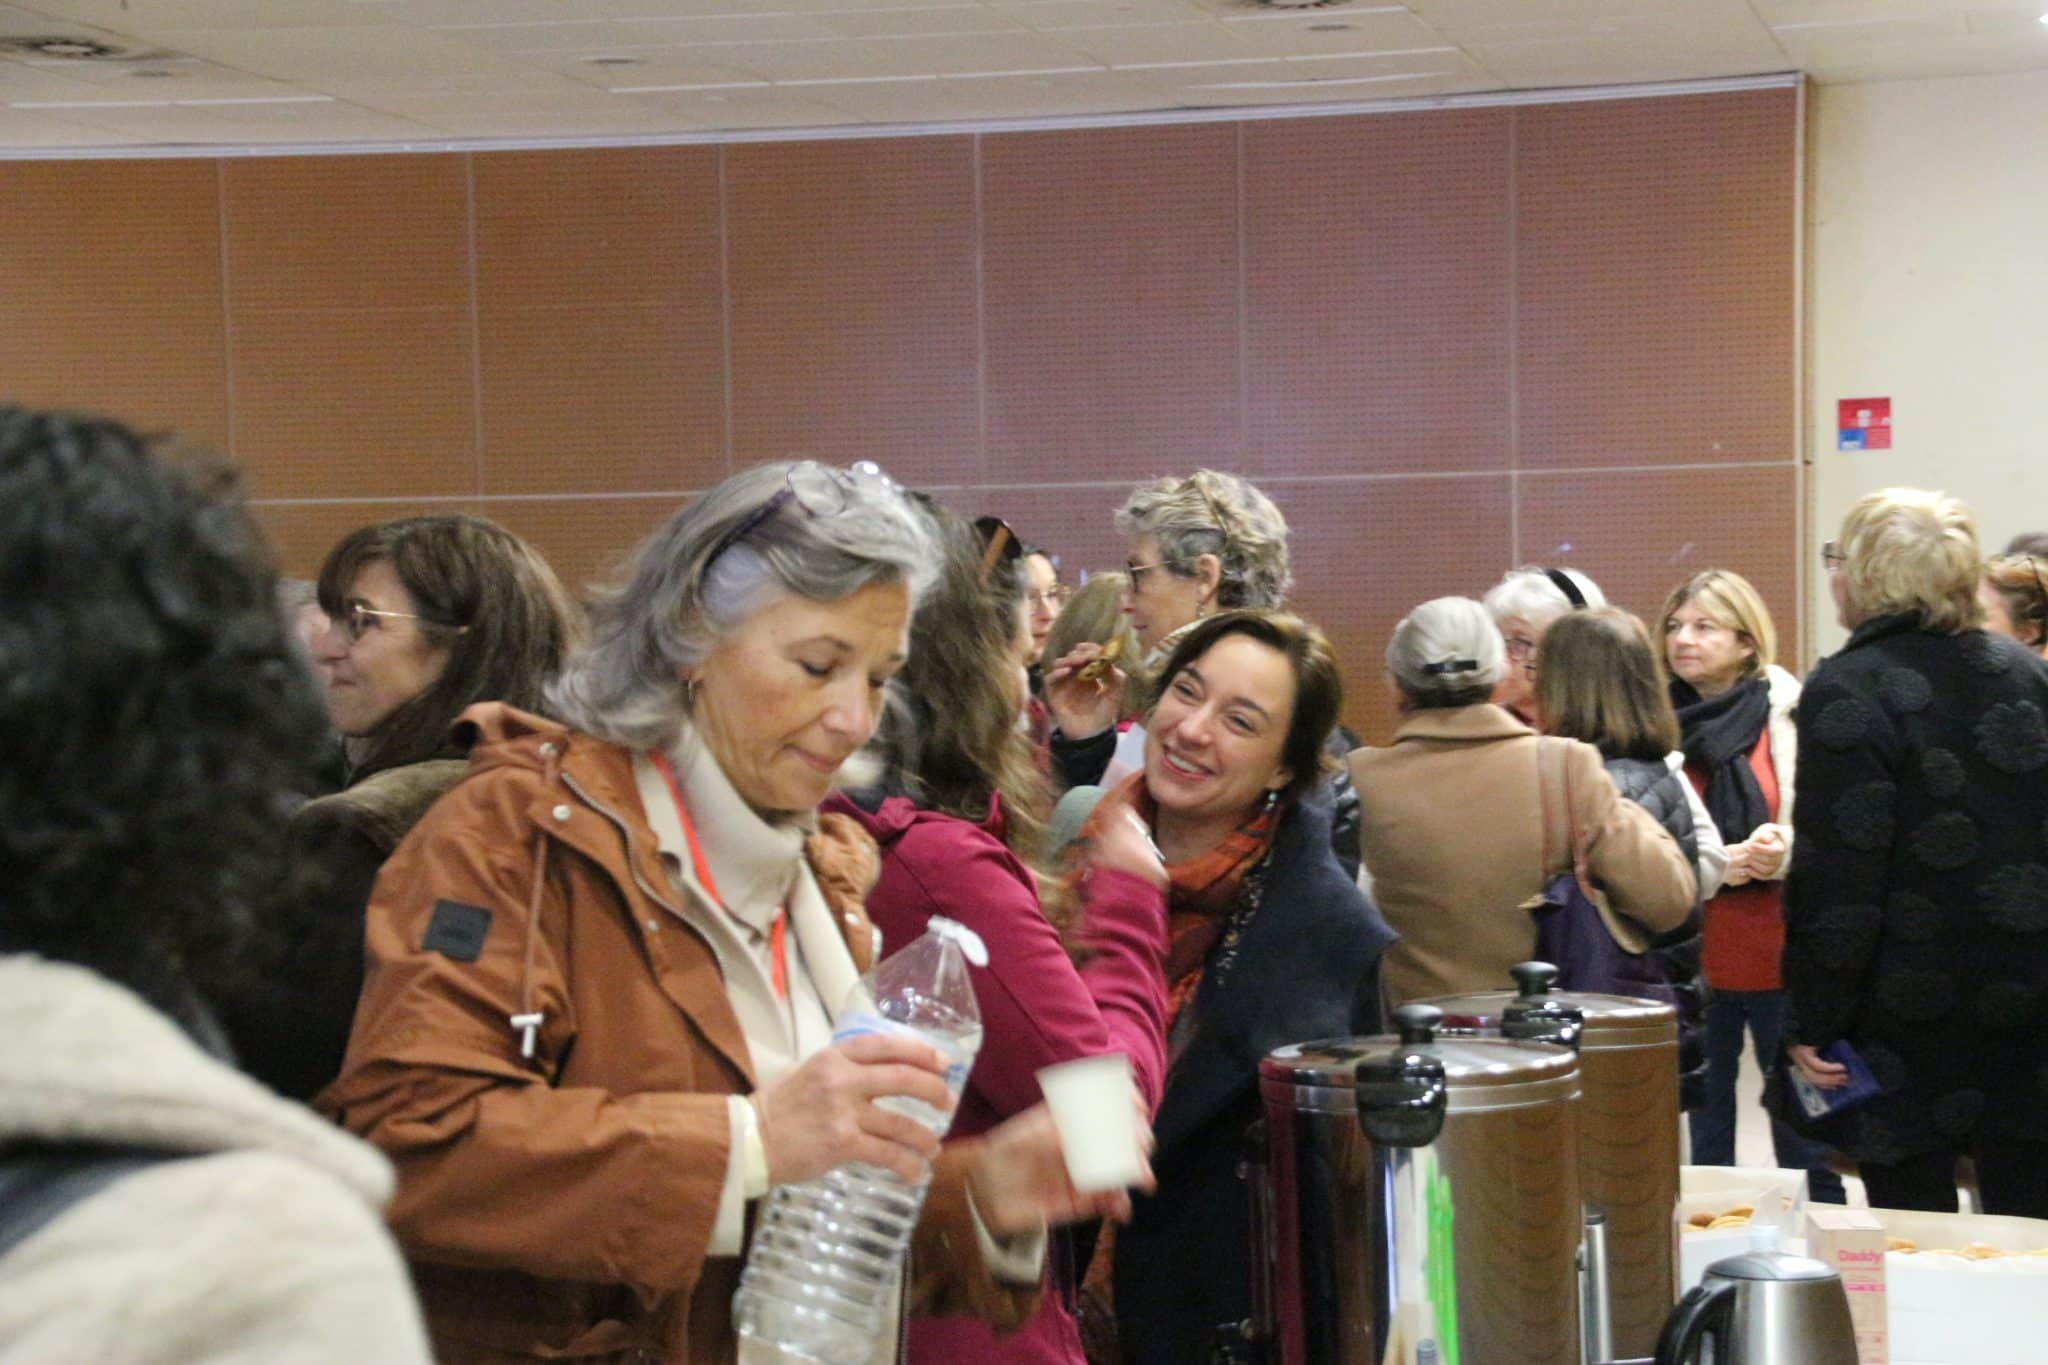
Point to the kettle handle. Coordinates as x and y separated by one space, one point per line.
1705 1308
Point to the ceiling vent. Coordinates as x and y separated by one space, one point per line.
70 48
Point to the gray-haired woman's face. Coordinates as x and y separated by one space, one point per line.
784 700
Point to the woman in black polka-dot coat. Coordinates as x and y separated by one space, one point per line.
1917 910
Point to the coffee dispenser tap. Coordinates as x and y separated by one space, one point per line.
1537 1016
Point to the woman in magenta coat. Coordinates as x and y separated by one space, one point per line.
959 819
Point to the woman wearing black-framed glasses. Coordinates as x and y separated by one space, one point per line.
426 616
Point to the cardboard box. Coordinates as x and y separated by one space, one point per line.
1851 1241
1947 1309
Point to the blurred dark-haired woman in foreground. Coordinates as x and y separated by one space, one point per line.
154 719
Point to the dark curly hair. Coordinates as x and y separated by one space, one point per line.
156 723
484 594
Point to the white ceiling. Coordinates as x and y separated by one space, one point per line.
219 73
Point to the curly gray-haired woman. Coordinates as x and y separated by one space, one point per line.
603 970
1207 543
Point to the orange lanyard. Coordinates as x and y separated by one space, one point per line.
778 968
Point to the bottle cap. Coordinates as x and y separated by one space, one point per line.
970 942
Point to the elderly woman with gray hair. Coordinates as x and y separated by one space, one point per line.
1453 828
603 970
1207 543
1523 605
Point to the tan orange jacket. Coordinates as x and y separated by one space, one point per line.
560 1205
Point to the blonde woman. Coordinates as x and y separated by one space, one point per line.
1734 708
1916 916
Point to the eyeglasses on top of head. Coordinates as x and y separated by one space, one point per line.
819 489
999 544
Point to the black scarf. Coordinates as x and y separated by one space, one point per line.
1719 733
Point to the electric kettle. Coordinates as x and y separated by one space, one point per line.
1763 1308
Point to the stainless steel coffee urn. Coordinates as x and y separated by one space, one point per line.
1424 1200
1628 1129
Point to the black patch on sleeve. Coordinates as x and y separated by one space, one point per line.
457 931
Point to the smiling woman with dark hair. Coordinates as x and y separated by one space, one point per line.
154 719
1269 942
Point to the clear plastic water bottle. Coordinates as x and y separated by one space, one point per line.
826 1263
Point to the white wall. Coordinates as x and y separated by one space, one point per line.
1928 282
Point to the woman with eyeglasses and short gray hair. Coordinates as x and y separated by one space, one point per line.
1523 605
604 969
1207 543
422 618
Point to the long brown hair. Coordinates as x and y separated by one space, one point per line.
952 740
484 594
1598 680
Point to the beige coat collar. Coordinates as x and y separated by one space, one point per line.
1481 721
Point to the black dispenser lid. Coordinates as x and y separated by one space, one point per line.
1402 1094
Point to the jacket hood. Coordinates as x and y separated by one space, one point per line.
89 1060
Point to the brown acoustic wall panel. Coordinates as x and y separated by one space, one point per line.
855 334
1364 551
587 540
1445 340
307 233
1655 305
1111 301
1376 261
355 402
1640 532
110 291
600 317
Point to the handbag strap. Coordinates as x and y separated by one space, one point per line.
1552 771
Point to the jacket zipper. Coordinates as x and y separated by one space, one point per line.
633 869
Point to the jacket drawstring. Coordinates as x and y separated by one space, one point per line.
528 1021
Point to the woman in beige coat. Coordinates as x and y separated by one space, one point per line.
1452 817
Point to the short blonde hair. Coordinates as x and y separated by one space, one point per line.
1210 513
1732 602
1095 613
1912 551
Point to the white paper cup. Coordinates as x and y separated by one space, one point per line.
1094 1107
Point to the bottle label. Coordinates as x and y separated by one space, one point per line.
958 1052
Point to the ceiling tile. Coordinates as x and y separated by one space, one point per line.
991 97
921 23
37 128
179 78
741 109
344 60
568 111
229 125
1145 45
145 18
1070 14
649 66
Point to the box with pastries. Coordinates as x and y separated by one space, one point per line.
1725 1211
1965 1289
